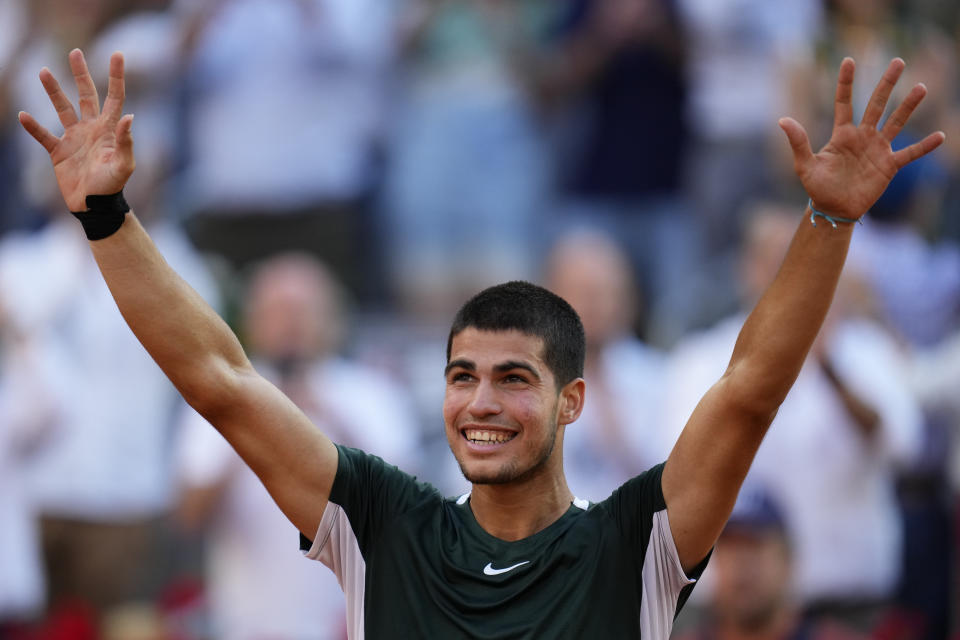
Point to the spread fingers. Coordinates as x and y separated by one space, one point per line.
897 119
38 131
87 90
878 101
842 104
113 105
59 99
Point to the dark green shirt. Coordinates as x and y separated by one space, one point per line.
414 564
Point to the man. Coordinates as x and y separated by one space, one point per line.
100 484
257 584
752 567
620 428
517 557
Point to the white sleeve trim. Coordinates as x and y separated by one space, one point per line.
663 579
336 546
331 514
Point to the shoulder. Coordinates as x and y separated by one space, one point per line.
367 483
633 504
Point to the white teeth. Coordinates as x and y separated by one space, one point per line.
478 436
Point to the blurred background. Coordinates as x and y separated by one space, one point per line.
337 176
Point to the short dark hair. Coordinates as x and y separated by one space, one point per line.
532 310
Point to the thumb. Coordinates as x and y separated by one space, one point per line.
799 142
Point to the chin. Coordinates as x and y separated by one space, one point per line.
507 473
488 474
506 470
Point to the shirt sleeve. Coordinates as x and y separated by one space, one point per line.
371 494
640 511
633 504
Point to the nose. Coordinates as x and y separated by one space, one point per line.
484 401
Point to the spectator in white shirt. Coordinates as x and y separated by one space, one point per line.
258 583
833 451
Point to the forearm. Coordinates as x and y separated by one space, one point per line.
715 450
780 330
204 360
710 460
188 340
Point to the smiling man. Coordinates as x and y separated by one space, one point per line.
519 556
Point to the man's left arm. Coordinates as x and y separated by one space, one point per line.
713 453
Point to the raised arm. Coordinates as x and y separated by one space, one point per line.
193 346
710 460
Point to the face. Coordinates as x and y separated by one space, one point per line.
291 311
594 277
502 408
767 240
596 284
752 573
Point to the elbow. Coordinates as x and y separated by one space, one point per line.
755 398
215 388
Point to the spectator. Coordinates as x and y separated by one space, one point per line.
468 165
41 33
618 431
752 567
27 417
743 55
934 377
903 268
621 64
910 257
833 451
100 481
915 279
258 584
14 34
283 113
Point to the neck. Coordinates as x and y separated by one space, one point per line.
518 510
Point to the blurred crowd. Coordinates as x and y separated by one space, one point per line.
336 176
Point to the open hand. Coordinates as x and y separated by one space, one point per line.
95 154
854 168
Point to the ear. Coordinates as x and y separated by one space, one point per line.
571 401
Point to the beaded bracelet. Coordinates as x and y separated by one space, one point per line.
831 219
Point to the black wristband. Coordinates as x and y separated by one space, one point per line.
104 215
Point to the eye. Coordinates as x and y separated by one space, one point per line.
460 376
514 378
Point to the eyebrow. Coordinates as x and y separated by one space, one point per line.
503 367
516 364
461 364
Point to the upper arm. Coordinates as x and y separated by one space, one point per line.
707 465
294 460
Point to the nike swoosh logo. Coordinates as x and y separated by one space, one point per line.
490 571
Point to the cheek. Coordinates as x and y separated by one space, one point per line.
528 409
453 405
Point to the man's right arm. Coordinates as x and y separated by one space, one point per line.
204 360
191 343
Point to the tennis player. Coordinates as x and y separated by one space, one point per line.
519 556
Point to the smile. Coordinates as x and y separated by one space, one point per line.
488 437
